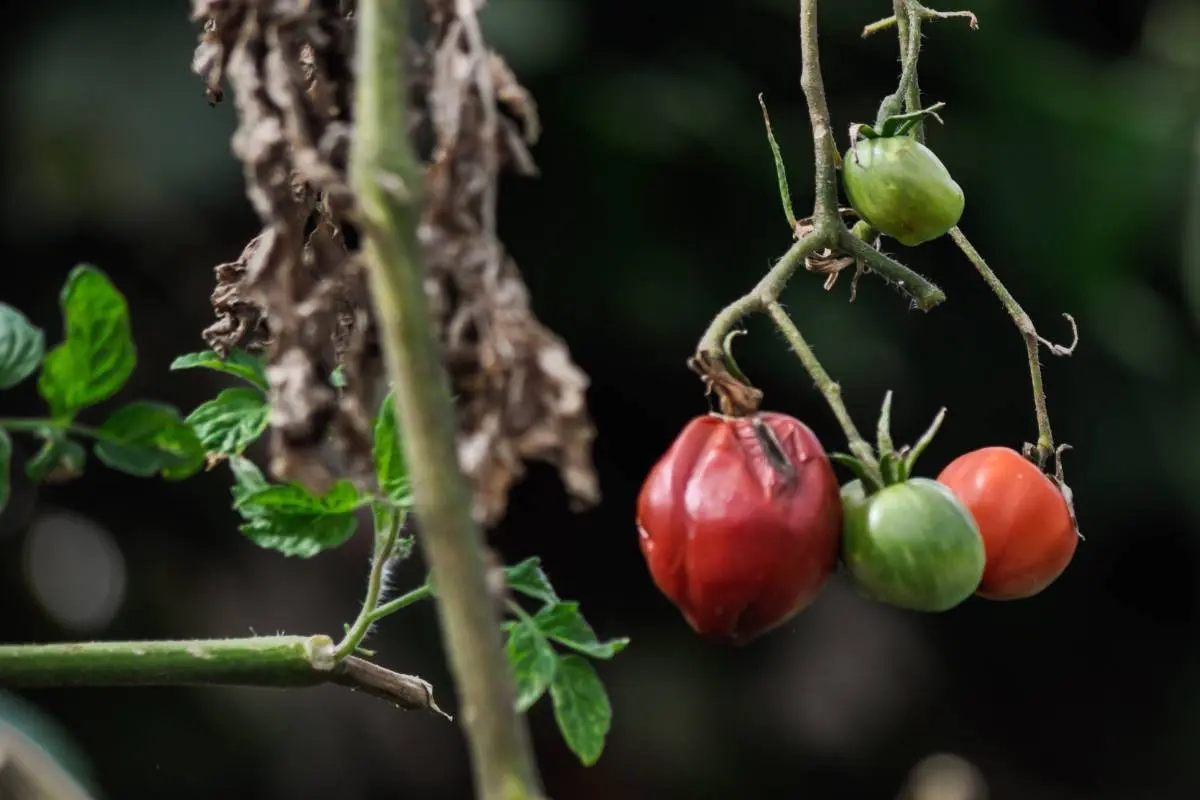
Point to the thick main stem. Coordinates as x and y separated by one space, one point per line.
387 180
254 661
278 662
825 205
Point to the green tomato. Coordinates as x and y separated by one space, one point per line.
899 186
912 545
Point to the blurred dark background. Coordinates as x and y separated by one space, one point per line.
1072 127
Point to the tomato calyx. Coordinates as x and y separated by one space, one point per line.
1039 455
895 125
722 377
895 465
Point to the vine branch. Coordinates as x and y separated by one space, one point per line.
452 543
825 230
257 661
1044 447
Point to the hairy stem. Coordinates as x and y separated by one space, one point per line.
1045 441
828 388
908 94
262 661
384 542
825 205
403 601
386 179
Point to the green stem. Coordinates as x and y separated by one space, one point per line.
384 543
1045 442
403 601
386 179
908 93
828 388
925 14
826 219
35 424
258 661
255 661
924 294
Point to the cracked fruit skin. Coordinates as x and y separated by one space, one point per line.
912 545
902 188
1025 521
739 523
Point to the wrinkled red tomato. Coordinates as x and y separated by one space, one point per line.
1028 533
740 523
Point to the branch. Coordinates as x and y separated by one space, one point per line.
1045 443
451 541
258 661
825 230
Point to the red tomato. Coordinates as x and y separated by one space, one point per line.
740 523
1027 529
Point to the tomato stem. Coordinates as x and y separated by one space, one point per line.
883 430
828 388
1044 448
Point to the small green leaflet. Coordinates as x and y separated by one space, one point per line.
337 378
581 707
98 355
391 470
232 421
147 438
527 578
59 460
533 662
563 623
288 518
238 363
21 347
5 468
292 498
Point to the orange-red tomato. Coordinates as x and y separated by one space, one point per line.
1027 529
739 523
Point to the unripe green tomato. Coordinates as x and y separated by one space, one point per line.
899 186
911 545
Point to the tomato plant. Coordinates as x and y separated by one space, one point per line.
911 544
900 186
739 523
1026 523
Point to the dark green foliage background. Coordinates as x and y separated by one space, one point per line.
1072 129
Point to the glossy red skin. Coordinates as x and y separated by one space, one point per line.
738 544
1026 525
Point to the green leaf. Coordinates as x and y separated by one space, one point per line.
238 363
292 498
534 663
528 579
247 478
21 347
581 708
5 468
288 518
146 438
98 355
59 460
563 623
337 378
300 535
391 470
232 421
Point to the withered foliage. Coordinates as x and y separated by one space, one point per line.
298 292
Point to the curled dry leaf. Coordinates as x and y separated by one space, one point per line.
297 291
